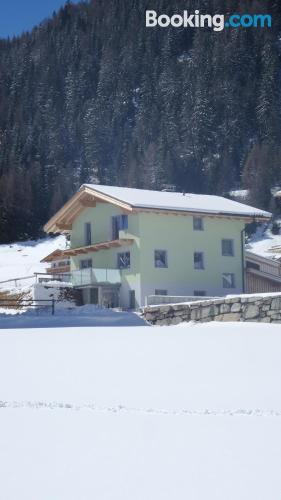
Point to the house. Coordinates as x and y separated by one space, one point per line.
59 265
263 274
126 244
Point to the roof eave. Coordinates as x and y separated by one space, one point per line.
61 222
256 217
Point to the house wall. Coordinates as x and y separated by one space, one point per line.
175 234
172 233
263 274
259 284
101 226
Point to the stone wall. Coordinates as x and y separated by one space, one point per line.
266 309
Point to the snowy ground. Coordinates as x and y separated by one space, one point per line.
88 315
141 413
19 260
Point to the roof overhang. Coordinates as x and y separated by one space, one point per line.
85 198
247 218
56 255
262 259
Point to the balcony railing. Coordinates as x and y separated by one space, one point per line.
58 270
84 277
90 276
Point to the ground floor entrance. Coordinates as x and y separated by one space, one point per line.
104 296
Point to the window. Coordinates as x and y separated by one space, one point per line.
161 292
160 258
199 293
124 260
86 263
64 263
88 234
252 265
198 258
198 224
228 280
227 248
119 223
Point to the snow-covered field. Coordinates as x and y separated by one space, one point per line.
88 315
135 412
19 260
141 413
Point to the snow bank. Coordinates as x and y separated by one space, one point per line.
67 315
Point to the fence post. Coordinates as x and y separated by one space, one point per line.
53 307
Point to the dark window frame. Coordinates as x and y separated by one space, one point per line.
197 268
88 233
158 290
126 264
200 226
224 281
253 265
119 223
88 261
226 241
157 260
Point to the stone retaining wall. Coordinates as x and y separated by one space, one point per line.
266 309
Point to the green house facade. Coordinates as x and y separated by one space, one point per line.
127 244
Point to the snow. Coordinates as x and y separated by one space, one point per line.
67 315
141 413
140 198
239 193
193 300
262 242
184 57
22 259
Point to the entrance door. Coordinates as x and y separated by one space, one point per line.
132 299
94 296
110 298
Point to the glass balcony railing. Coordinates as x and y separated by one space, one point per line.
90 276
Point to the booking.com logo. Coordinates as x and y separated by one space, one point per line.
218 21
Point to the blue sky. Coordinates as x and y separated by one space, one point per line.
17 16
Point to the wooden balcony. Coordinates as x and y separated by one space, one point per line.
72 252
58 270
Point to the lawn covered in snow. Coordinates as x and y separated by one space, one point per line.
141 413
19 260
88 315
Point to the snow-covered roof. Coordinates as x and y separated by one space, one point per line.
265 244
186 202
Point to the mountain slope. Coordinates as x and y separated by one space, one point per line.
92 95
